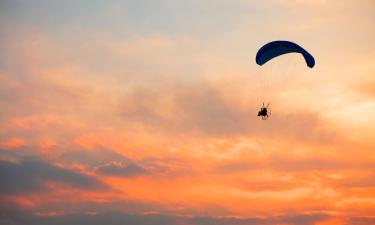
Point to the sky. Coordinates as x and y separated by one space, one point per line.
144 112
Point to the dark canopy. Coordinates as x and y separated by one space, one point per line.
277 48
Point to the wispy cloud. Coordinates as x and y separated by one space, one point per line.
32 175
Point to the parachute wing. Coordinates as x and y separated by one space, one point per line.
277 48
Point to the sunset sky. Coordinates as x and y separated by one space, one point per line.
144 113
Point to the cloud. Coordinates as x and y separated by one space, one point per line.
213 110
295 165
168 104
367 89
92 158
316 164
114 218
361 221
12 143
30 176
109 162
117 168
362 180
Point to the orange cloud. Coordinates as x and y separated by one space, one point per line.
13 143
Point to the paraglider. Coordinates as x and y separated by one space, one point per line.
275 49
264 112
